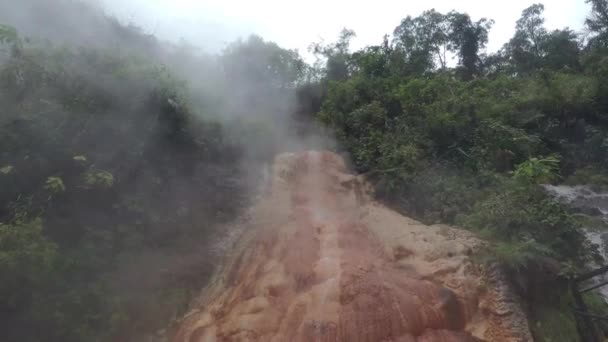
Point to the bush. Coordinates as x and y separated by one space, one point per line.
531 228
104 163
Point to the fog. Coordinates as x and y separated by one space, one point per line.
151 147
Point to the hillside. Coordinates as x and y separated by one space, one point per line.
128 164
321 261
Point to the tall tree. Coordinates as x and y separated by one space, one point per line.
261 62
561 50
431 38
258 73
597 22
337 55
424 39
524 48
533 48
467 38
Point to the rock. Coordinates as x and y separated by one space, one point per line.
591 211
312 267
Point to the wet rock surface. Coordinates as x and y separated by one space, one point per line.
584 200
581 199
321 261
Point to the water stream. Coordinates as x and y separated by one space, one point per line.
582 199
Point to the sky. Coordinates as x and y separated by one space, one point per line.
295 25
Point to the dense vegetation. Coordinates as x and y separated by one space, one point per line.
471 144
115 180
100 157
122 159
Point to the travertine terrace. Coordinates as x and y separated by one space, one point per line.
321 261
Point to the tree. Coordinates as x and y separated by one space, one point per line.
561 50
597 21
258 62
259 73
524 48
533 48
467 38
428 40
337 56
530 27
424 40
10 37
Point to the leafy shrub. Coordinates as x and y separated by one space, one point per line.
54 185
593 176
27 260
98 178
531 228
103 161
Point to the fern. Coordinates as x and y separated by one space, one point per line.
537 171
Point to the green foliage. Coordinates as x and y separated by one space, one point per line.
338 60
54 185
597 22
555 322
27 259
138 162
528 215
590 175
8 34
425 41
595 223
472 145
530 227
262 63
7 170
520 256
525 47
107 170
533 47
98 178
537 171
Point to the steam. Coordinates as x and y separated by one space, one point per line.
248 90
223 84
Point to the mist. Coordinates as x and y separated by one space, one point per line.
136 136
132 156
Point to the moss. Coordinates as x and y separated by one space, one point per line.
555 323
597 306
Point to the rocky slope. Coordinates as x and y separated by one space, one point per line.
321 261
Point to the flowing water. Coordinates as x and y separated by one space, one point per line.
584 200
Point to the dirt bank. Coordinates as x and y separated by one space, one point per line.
321 261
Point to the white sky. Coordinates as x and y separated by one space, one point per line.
291 24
